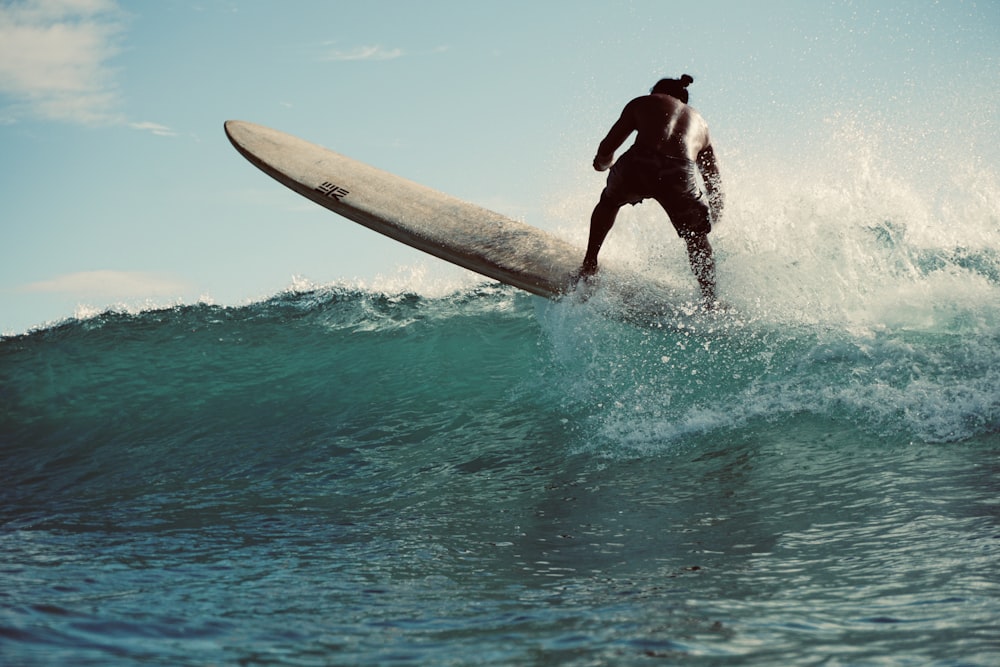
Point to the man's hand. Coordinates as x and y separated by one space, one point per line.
602 162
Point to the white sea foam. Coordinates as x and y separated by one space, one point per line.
852 233
866 278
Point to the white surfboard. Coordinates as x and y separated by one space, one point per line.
456 231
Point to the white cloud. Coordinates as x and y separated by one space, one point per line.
373 53
156 128
363 53
54 57
111 284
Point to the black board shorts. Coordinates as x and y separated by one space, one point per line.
671 181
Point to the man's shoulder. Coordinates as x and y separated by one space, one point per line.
638 101
695 117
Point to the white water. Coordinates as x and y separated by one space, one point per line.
855 234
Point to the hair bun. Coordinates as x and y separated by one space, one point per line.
686 80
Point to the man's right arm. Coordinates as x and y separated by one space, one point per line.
617 135
713 182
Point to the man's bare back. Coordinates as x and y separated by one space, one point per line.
664 124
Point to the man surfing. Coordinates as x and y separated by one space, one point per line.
671 146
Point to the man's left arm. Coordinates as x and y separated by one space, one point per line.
713 182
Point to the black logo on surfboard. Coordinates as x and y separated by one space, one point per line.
331 191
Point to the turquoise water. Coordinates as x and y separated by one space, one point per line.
353 475
343 476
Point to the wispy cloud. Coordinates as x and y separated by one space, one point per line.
54 59
155 128
110 284
375 52
330 52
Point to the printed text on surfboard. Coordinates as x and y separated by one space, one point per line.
331 191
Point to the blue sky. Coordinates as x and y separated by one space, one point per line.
120 187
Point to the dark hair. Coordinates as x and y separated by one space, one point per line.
674 87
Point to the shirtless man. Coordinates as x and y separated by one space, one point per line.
671 144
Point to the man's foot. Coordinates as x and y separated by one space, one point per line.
586 273
583 282
714 306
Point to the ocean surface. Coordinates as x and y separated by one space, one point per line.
346 475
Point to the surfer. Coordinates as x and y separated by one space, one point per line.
671 146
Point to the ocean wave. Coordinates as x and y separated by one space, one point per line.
119 400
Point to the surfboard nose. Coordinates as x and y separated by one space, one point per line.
234 128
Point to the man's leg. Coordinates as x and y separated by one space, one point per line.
601 222
703 265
